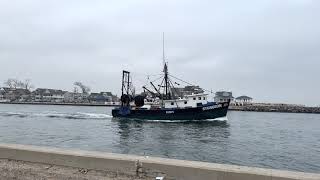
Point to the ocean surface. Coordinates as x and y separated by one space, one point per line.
270 140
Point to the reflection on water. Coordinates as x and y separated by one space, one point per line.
171 139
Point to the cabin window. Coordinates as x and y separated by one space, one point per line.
172 103
199 98
204 98
185 102
194 98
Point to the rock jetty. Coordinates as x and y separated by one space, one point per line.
287 108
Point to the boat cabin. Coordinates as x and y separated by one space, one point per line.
187 101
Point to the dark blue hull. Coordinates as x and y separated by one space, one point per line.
212 111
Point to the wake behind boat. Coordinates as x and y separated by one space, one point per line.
165 102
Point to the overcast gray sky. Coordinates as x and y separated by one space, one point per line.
267 49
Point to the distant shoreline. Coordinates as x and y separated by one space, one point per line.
60 104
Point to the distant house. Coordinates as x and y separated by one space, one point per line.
69 97
2 95
187 90
48 95
74 97
15 94
109 97
97 98
102 97
243 100
223 96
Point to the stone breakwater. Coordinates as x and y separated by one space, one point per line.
276 108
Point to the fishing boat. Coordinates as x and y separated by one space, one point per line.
165 102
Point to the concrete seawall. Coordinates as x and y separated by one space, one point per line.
149 166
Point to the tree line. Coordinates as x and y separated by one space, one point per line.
16 83
26 84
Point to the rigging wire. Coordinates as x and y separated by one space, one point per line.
144 74
153 80
182 80
175 100
189 83
157 78
145 81
160 85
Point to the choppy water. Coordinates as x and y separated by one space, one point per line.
272 140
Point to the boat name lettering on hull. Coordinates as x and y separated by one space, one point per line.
211 107
169 112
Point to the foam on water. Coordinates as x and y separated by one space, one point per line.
77 115
17 114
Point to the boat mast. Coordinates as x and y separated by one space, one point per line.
165 70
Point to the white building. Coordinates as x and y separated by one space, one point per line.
72 97
243 100
223 96
48 95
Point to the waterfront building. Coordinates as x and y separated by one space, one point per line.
97 98
223 96
75 97
69 97
102 97
110 97
15 94
2 97
48 95
107 95
243 100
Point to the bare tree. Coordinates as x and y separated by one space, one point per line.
85 89
27 84
19 84
12 83
75 90
15 83
9 83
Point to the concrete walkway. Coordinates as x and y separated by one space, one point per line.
12 169
32 162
